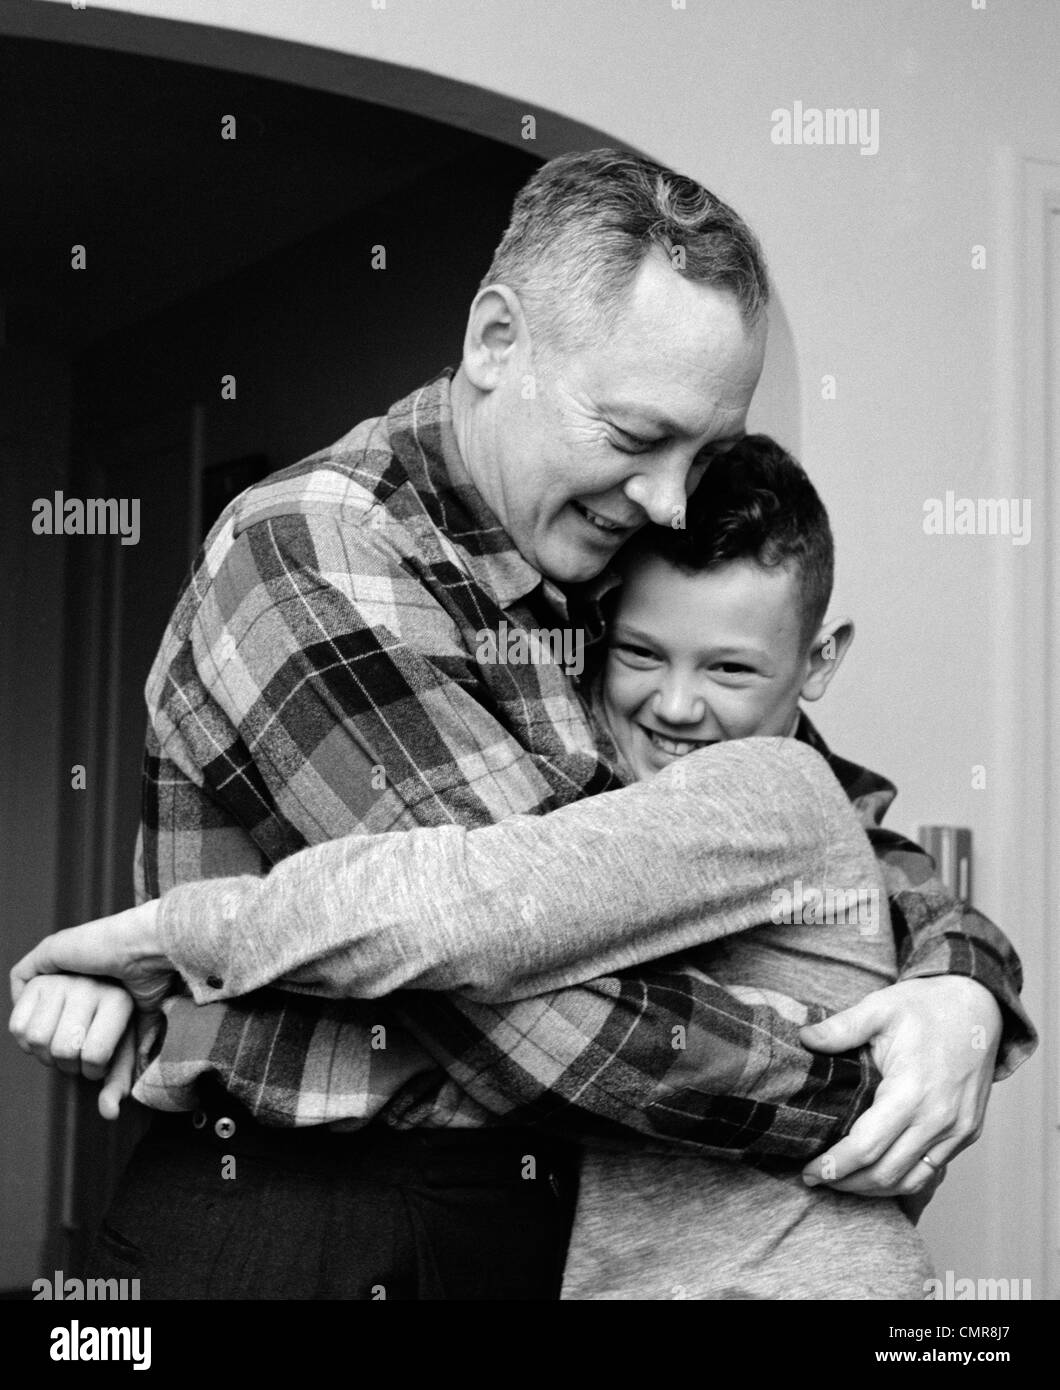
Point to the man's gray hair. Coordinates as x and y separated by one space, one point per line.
582 225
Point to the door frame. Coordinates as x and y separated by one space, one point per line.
87 1152
1026 690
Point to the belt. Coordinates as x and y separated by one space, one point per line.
223 1124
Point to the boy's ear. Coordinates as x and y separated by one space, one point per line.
829 648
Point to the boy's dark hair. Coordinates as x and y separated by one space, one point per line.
753 502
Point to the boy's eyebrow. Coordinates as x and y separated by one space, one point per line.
623 630
632 632
749 649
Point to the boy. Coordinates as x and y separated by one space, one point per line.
717 634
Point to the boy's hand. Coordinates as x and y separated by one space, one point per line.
119 1079
122 947
934 1041
72 1022
80 1025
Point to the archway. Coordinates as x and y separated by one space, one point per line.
482 111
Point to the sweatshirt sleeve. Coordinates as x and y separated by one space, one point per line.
531 903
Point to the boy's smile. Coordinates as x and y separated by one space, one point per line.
695 659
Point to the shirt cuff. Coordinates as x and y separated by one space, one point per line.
203 955
1019 1038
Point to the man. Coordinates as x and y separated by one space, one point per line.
321 677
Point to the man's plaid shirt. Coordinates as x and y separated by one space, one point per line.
319 679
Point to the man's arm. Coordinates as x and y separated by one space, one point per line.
663 1052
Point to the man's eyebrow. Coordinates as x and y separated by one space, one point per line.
653 419
642 414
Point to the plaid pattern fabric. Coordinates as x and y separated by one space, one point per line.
319 677
736 1088
925 917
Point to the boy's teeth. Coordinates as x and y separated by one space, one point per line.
678 747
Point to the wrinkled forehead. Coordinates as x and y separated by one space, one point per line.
680 357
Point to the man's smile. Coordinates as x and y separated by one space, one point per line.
603 523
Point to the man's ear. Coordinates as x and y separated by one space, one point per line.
496 328
829 648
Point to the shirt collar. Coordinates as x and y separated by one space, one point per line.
866 789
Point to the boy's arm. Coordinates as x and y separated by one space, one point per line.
531 904
453 910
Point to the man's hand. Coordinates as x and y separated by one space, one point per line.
934 1042
80 1025
915 1206
122 947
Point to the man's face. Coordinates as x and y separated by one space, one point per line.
584 447
697 659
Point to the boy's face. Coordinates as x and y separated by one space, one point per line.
697 658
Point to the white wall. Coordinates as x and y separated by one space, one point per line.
872 256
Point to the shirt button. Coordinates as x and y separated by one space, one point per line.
198 1119
214 982
225 1128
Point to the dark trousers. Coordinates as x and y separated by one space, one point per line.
207 1212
